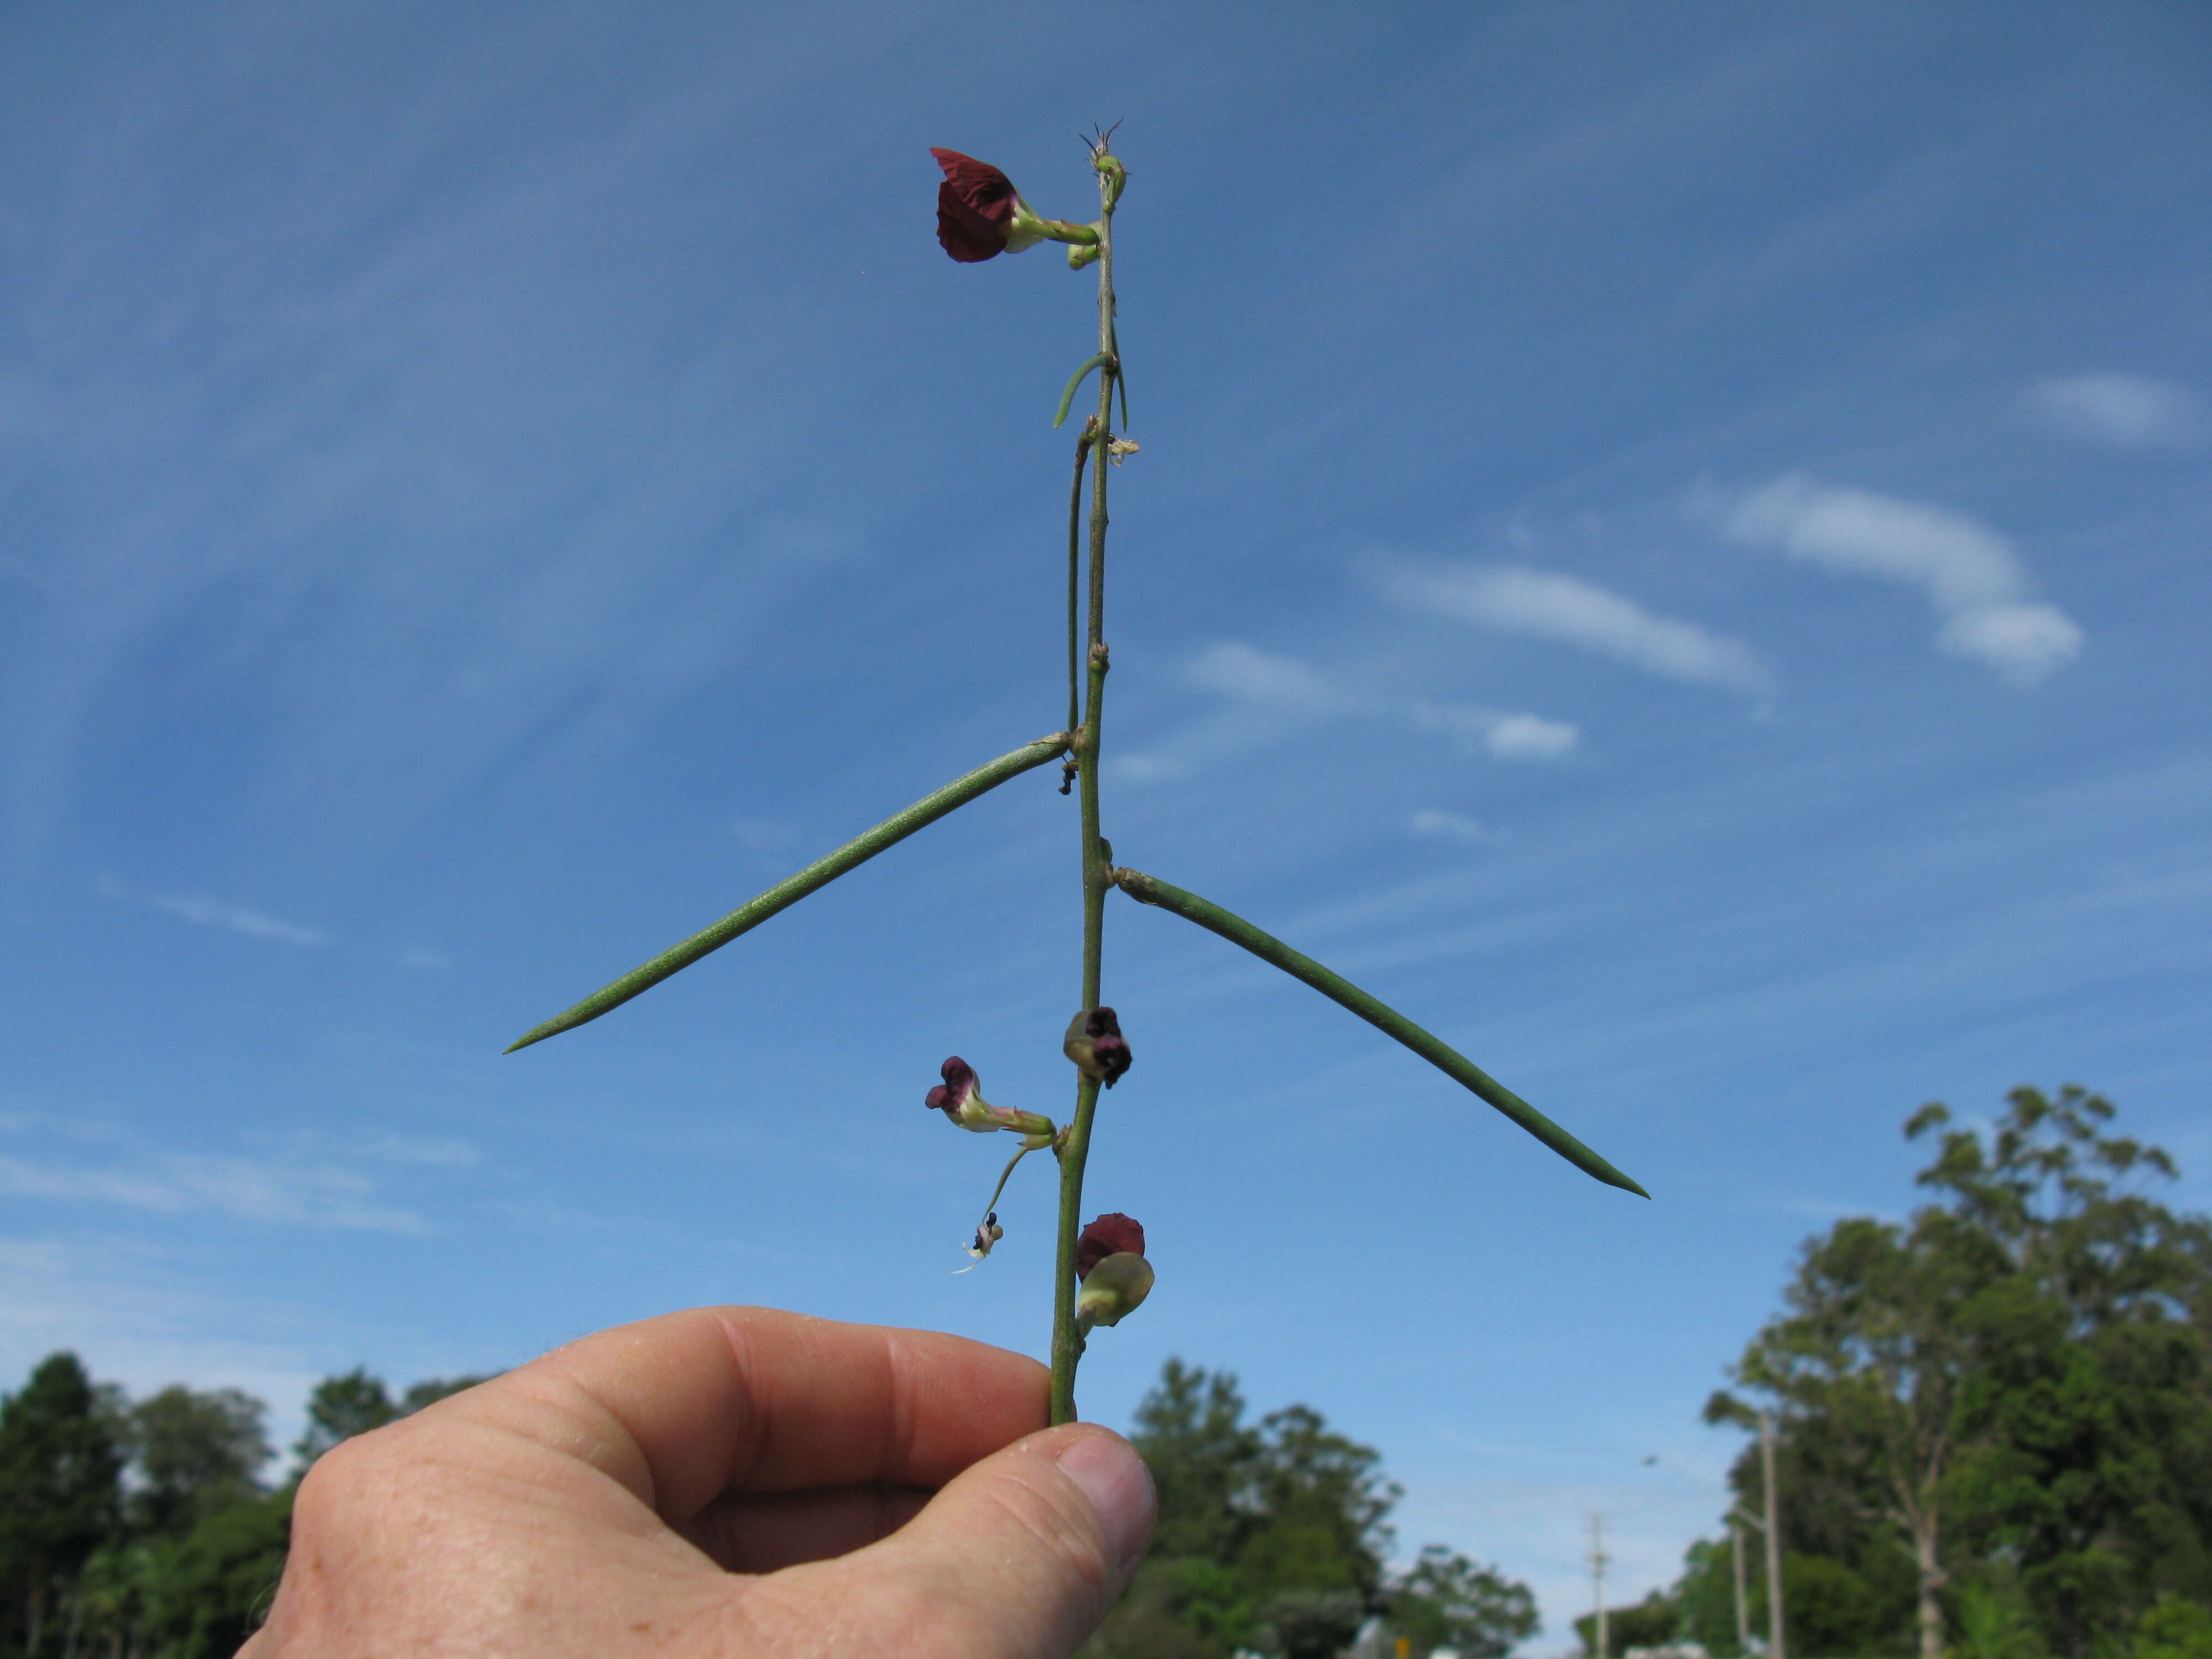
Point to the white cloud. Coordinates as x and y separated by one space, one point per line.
1502 735
2124 411
1516 599
307 1180
1248 675
1267 696
213 913
246 1190
1435 825
1969 572
427 961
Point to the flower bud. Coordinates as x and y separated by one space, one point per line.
960 1097
1095 1043
1111 1234
1115 1286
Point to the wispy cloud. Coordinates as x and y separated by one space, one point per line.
1266 696
306 1180
425 961
244 1189
1494 733
1969 572
2122 411
206 912
1280 684
1546 604
1433 823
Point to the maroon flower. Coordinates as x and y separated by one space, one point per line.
975 207
960 1097
955 1092
1095 1043
1112 1234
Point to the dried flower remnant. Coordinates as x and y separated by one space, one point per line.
987 1234
1095 1043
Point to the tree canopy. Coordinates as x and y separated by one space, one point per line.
147 1528
1273 1536
1995 1416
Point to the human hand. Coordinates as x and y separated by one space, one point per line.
729 1482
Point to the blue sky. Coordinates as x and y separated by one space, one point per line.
1670 543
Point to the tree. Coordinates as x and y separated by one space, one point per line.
1445 1600
341 1407
195 1454
2017 1373
1649 1622
353 1403
1271 1534
59 1490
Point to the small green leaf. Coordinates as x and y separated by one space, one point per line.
1068 396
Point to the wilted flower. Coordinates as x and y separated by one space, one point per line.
986 1235
1111 1234
1095 1043
979 214
1115 1287
960 1097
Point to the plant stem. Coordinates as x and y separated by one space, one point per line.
788 891
1066 1340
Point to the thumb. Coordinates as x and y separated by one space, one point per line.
1019 1556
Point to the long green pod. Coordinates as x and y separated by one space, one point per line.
1149 890
792 889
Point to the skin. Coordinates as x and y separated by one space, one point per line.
725 1481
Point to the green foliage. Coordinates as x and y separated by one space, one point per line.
2172 1629
196 1454
340 1408
1704 1598
143 1529
1447 1601
1995 1417
1650 1623
1272 1536
60 1460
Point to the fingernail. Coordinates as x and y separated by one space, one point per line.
1109 1472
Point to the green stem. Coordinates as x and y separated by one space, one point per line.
1074 586
1148 889
1066 1340
792 889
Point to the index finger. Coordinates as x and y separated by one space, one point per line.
686 1406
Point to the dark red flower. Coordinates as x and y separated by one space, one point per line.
975 207
958 1088
1112 1234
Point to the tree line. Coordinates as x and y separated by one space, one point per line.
145 1529
1993 1418
1994 1440
1273 1538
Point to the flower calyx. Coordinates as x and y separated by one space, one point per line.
1095 1043
960 1097
979 214
1110 1261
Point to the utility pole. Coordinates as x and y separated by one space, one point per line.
1770 1527
1774 1649
1742 1612
1597 1561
